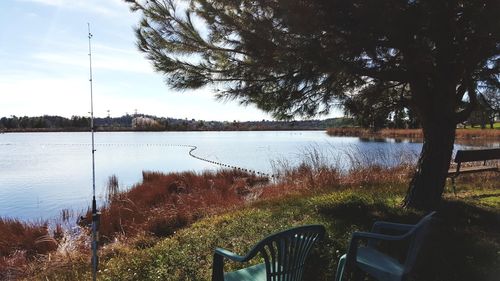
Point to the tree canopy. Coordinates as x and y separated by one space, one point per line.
295 57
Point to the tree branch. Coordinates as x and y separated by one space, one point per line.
461 116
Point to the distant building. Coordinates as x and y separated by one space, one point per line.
143 123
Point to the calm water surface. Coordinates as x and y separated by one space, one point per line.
43 173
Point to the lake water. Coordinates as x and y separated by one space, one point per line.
43 173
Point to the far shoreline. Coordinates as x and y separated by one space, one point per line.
79 130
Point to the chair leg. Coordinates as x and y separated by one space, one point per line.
340 268
218 268
453 186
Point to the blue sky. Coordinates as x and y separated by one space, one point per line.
44 65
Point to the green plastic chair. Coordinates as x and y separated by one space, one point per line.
284 256
367 259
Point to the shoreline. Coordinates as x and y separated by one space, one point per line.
55 130
134 220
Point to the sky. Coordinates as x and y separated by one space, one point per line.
44 66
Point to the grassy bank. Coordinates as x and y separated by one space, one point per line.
465 245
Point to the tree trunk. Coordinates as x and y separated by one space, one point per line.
427 184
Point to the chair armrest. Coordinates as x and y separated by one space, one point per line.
230 255
381 225
357 236
218 262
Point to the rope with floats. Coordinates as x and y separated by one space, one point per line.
193 148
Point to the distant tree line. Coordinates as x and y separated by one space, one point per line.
44 122
141 122
383 116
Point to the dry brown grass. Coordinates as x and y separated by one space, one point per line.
383 133
33 238
163 203
411 133
376 176
305 179
21 242
478 134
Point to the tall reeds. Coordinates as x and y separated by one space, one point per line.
112 188
32 238
478 134
21 242
460 134
345 168
163 203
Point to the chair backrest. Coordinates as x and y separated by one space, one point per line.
419 232
285 252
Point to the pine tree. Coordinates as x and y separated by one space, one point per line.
298 58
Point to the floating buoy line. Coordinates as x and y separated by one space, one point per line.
193 148
191 153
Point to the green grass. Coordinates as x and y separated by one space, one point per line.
464 246
496 125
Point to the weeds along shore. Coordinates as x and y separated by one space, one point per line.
164 204
416 134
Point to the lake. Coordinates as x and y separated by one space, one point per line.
43 173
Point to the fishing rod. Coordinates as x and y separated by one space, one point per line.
95 213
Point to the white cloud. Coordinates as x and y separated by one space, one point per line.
103 57
43 95
107 8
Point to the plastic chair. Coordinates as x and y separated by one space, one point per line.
367 259
284 256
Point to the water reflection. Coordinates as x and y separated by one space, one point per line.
478 142
472 143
